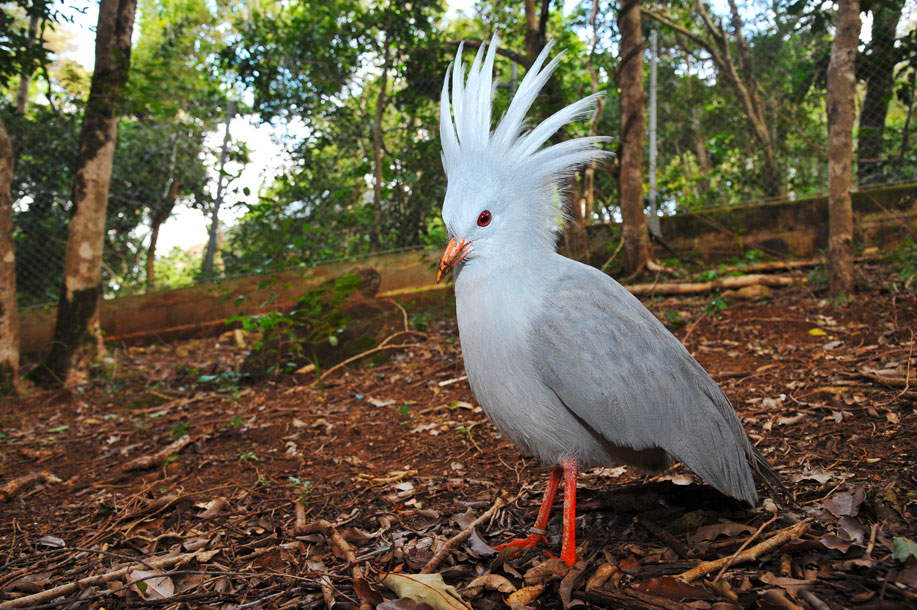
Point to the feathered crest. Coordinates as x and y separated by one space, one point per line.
466 130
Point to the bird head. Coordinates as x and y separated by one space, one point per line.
502 201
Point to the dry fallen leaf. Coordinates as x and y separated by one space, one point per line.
525 595
491 582
674 588
150 585
545 572
427 588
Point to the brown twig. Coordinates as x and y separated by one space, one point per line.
148 461
17 486
382 346
460 537
745 544
30 601
781 537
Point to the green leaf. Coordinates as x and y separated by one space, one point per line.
905 548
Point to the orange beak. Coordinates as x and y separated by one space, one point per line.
451 257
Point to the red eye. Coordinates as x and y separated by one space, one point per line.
484 219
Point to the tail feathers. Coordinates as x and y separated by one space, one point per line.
767 475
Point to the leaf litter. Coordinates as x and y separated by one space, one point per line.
158 490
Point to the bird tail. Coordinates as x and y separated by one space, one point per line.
767 475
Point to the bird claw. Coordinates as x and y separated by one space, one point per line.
522 543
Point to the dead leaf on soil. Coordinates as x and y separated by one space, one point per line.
404 603
791 585
730 529
366 592
491 582
478 547
150 585
601 576
545 572
845 503
525 595
835 543
674 588
813 474
428 588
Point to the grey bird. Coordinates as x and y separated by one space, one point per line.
565 361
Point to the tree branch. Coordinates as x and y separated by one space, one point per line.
519 58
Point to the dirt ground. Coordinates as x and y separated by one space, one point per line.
172 483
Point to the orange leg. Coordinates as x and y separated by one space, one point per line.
539 532
568 547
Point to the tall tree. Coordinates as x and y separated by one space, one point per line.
841 109
78 308
877 68
630 151
20 54
732 57
9 313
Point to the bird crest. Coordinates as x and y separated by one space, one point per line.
512 155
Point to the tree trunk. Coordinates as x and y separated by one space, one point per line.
879 68
378 145
78 309
630 152
214 233
841 109
156 221
9 312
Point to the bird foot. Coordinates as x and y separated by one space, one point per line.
522 543
568 556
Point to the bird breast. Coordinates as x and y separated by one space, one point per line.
495 316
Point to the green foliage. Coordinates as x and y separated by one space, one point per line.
904 259
180 429
674 320
715 307
905 549
316 318
17 55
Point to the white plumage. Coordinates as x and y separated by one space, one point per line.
566 362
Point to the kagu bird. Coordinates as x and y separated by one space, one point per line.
567 363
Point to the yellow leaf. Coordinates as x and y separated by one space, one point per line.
817 332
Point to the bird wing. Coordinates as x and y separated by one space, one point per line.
618 369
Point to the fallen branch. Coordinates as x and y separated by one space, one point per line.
721 283
781 537
629 599
742 548
382 346
90 581
460 538
17 486
149 461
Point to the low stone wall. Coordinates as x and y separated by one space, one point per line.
794 228
778 228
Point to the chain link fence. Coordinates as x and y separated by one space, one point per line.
740 118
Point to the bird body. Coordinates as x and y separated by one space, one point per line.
583 370
564 360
